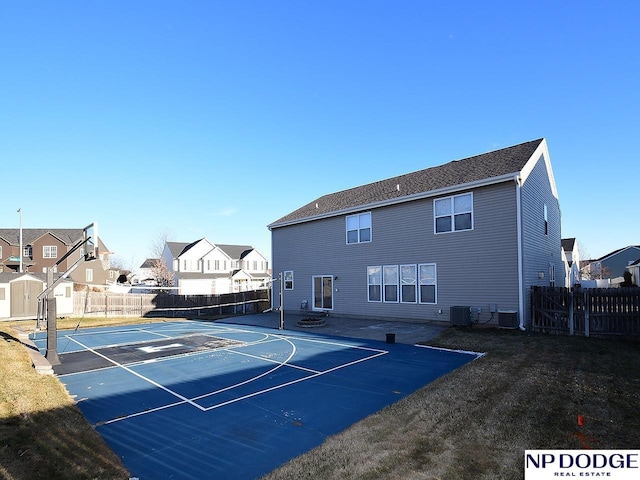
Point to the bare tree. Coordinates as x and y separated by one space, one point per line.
158 243
595 271
161 273
591 269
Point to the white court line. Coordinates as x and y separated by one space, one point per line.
258 357
333 343
249 380
312 340
167 358
292 382
259 392
156 384
442 349
228 348
252 379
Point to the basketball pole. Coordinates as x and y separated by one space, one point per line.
50 313
48 296
280 277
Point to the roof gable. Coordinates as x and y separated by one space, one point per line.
495 166
567 244
150 263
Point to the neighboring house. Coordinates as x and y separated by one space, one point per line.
205 268
477 232
634 268
572 261
145 272
112 274
42 248
19 295
614 264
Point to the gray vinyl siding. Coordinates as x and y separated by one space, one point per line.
475 268
540 250
618 262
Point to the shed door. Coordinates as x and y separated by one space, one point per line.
24 298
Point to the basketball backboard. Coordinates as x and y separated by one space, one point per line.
90 237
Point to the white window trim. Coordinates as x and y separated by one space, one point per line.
546 219
358 215
284 279
313 303
453 214
379 284
52 249
435 284
415 285
397 284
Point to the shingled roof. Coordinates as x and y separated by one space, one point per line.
235 252
498 163
68 236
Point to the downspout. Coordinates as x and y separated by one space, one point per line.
518 181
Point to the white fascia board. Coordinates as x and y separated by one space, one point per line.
543 151
25 276
509 177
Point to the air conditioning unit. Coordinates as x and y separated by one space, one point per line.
460 316
507 319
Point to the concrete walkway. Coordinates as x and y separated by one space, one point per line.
375 329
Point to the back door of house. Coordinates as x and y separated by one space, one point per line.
323 292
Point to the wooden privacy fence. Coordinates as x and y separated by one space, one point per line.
601 312
107 304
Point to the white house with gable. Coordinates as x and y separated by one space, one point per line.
205 268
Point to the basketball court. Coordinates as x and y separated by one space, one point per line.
192 399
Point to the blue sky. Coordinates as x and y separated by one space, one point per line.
213 119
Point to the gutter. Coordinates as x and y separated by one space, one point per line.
518 181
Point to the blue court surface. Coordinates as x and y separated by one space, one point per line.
193 399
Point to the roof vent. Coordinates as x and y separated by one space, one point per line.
398 187
316 205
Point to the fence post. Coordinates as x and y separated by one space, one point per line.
571 328
587 307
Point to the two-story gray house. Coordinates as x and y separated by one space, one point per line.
475 233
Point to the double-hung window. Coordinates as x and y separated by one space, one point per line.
409 283
453 214
359 228
50 251
374 284
288 280
428 282
390 277
408 277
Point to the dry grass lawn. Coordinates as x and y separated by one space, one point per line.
43 435
474 423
